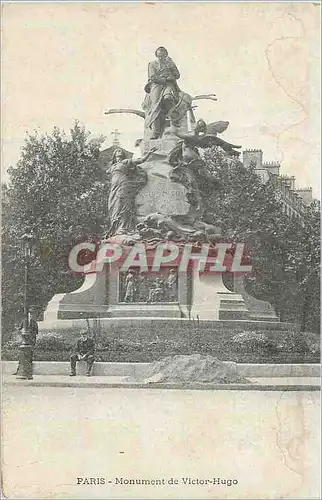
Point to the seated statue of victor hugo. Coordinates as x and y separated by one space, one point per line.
83 350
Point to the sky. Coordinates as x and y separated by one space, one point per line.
67 61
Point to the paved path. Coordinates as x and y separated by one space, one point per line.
262 383
267 441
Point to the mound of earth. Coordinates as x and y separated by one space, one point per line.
193 368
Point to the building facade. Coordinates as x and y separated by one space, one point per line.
294 201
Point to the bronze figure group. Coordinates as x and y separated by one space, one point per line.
166 112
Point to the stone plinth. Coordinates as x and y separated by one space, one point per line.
163 146
100 296
161 195
211 300
88 300
258 309
204 296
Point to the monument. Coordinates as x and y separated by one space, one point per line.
159 198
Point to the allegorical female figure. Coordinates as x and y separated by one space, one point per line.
130 288
162 91
127 178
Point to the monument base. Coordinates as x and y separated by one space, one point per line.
87 301
213 301
258 309
103 294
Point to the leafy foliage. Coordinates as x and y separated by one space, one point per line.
58 191
285 252
137 344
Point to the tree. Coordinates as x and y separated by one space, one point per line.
308 270
57 190
285 251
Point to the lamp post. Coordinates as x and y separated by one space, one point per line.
26 347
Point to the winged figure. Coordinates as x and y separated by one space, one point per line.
205 136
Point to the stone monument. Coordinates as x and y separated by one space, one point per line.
158 198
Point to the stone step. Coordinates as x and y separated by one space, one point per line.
106 324
263 317
232 301
233 314
233 305
166 309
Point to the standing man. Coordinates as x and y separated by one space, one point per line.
33 332
33 327
162 91
83 351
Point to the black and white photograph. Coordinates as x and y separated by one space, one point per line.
160 330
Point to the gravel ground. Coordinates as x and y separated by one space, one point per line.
267 441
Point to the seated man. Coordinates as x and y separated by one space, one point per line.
83 351
156 293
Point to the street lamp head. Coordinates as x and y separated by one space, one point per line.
32 311
27 241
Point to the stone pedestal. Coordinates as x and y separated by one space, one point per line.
90 300
259 310
161 195
100 296
202 296
163 146
211 300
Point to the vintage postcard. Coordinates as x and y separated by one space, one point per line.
160 250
